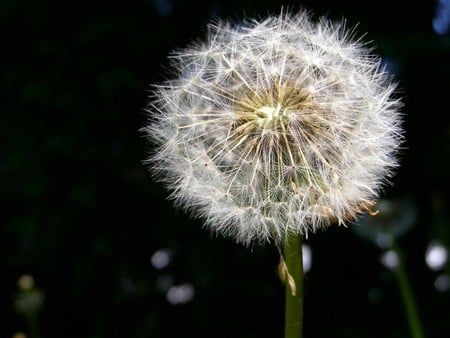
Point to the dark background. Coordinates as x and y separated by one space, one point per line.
81 214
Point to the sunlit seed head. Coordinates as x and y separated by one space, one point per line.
275 127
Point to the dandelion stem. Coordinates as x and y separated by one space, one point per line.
294 290
409 302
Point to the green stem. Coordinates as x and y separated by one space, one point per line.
294 303
409 302
33 325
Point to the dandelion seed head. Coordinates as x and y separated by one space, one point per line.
275 127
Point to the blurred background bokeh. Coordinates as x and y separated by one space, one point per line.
89 245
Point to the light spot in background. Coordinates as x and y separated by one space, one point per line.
25 282
164 283
441 19
164 7
436 255
161 258
389 259
307 257
19 335
181 294
442 283
384 240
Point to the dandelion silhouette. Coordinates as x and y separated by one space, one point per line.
275 127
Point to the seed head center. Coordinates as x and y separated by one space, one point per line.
268 115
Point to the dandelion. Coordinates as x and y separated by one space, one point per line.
275 127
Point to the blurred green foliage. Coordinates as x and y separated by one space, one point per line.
82 216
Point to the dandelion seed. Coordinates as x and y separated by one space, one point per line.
275 127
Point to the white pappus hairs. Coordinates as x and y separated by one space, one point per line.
275 127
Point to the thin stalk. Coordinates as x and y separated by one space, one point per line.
409 302
33 325
294 287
